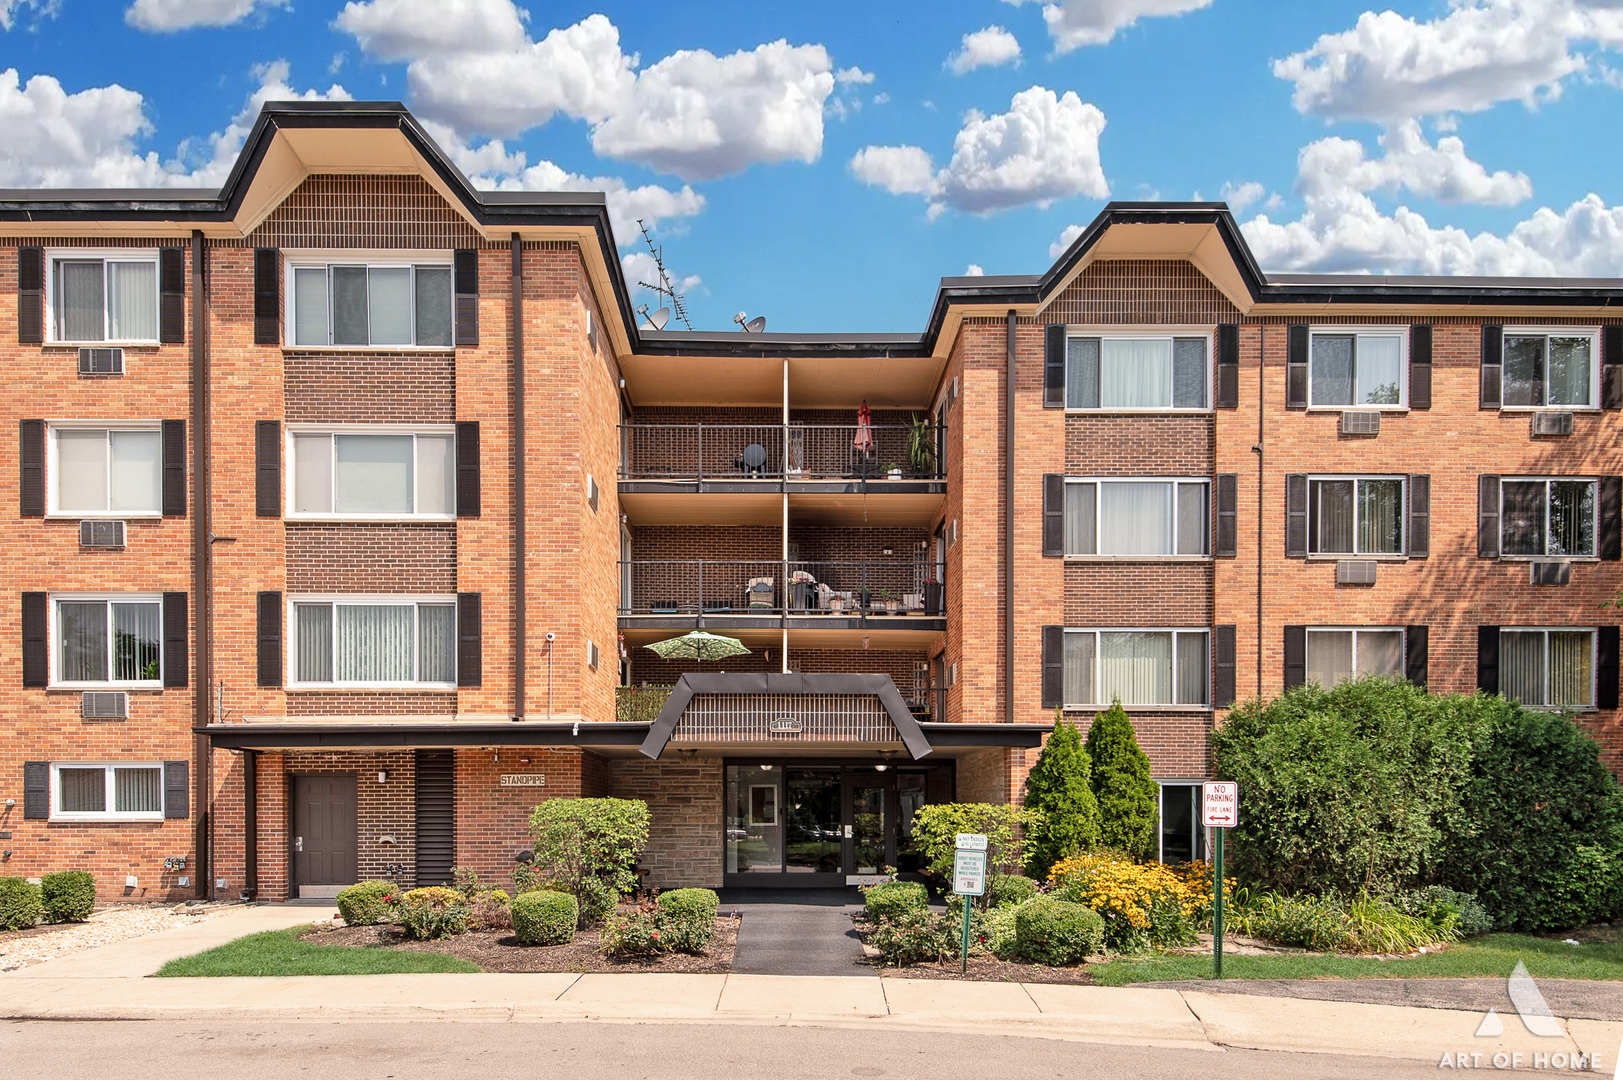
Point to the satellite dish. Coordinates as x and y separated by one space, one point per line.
756 325
659 318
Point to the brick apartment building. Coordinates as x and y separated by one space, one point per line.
349 496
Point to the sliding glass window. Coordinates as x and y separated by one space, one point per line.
1135 667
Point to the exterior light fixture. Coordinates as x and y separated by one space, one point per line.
383 777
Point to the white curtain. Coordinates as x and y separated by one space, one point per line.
81 303
436 643
132 309
373 643
1571 667
389 304
1135 519
1078 669
310 306
137 791
372 474
1380 369
436 474
1521 665
1080 537
137 471
1380 652
1329 656
312 474
1135 373
433 305
1135 668
1569 370
314 629
81 472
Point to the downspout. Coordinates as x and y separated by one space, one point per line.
1008 527
250 823
517 305
202 556
1262 402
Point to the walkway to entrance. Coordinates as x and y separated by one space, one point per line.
796 931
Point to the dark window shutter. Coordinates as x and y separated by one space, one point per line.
267 297
1611 370
467 468
1419 516
1296 516
1611 517
36 790
1487 517
1054 367
1487 659
1295 656
1227 515
1416 651
1606 667
465 280
436 816
1420 367
1053 666
30 295
1053 514
470 650
177 789
174 468
1296 367
1223 666
1493 351
172 295
1228 366
176 664
270 639
267 468
36 639
31 455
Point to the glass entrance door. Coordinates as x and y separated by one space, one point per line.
871 810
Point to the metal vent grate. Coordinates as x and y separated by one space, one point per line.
101 361
104 705
1356 572
1361 422
1558 572
1552 423
101 534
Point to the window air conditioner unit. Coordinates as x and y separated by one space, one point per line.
1556 572
104 705
1361 422
101 534
1356 572
101 361
1552 423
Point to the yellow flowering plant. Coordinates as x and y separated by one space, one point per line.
1144 905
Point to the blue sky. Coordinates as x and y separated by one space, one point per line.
825 164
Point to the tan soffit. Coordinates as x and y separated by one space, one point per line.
709 509
1200 245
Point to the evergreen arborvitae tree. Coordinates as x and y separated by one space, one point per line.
1122 785
1059 786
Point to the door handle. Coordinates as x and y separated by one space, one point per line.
848 832
298 843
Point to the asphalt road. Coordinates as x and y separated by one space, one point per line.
162 1050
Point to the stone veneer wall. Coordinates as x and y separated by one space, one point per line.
684 804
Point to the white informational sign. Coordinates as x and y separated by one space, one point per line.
968 841
524 780
969 872
1220 804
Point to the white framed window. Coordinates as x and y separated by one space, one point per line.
99 641
1548 516
1136 667
1336 654
372 473
102 296
1125 372
1356 367
1136 516
1553 368
1355 515
1548 667
102 791
402 300
388 641
105 469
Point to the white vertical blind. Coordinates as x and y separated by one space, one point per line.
137 791
436 643
1380 517
81 303
1080 649
1521 665
313 625
1329 656
81 791
1193 654
373 643
389 305
137 641
1569 370
1571 668
132 301
137 471
1135 668
310 306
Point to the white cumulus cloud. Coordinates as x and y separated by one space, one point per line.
404 29
169 15
975 270
990 47
1067 237
641 271
1073 24
1442 172
900 170
41 9
1240 196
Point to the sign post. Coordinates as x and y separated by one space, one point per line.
1219 810
968 879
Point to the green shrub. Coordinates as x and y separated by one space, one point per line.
1060 785
1126 795
1054 932
1329 924
68 895
1438 904
687 919
433 912
689 904
544 917
936 830
368 903
590 848
917 936
997 931
894 898
632 933
1005 889
20 904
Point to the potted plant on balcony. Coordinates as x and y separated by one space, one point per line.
935 597
921 446
891 599
836 603
893 471
801 584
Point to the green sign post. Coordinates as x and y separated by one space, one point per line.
968 879
1219 811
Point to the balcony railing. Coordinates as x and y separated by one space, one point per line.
773 452
735 587
641 704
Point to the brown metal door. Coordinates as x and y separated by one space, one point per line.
324 829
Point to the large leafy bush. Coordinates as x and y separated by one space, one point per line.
367 903
68 895
433 912
544 917
936 829
20 904
1059 785
1054 932
1126 794
589 848
891 899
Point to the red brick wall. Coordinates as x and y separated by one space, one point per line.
371 388
371 558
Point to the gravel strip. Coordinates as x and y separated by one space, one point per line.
106 925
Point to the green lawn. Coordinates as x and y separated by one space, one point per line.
280 952
1490 956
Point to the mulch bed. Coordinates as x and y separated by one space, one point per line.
983 967
499 950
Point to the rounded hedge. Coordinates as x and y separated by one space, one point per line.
1004 889
68 895
544 917
690 904
1054 932
20 904
367 903
896 898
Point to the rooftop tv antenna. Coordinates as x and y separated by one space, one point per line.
664 289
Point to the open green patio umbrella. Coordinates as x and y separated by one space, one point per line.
699 646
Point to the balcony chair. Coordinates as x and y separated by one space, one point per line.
760 594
